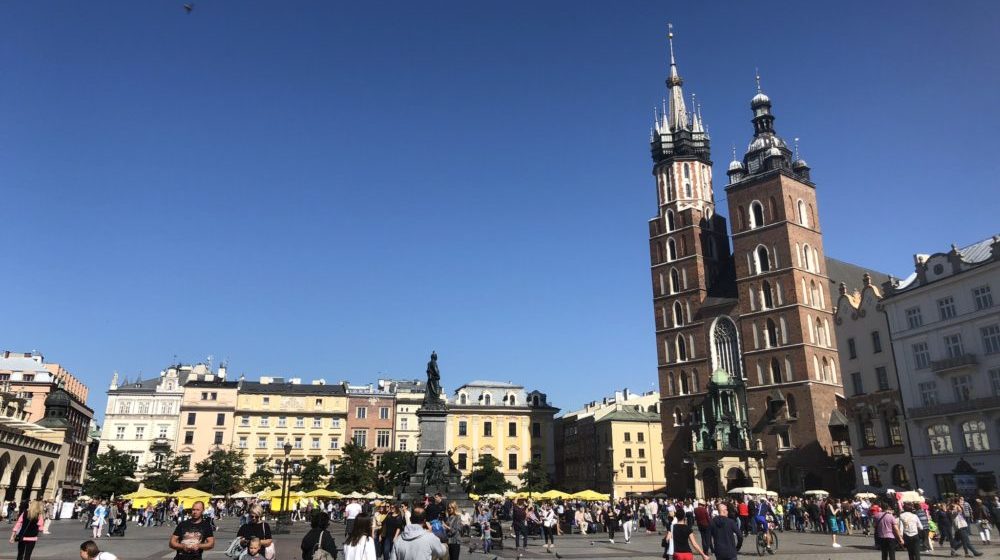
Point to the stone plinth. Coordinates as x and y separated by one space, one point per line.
434 471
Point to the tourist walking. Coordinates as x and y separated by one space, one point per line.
910 527
727 538
193 536
960 524
360 545
519 516
30 522
683 541
318 537
417 542
99 519
887 534
550 522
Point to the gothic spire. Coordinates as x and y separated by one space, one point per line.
678 112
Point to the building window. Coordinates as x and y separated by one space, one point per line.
946 308
317 422
463 399
140 432
261 442
761 260
921 356
318 403
536 428
953 345
300 422
244 420
756 214
463 461
995 381
628 453
218 438
868 429
962 387
628 436
876 342
883 378
913 317
512 429
403 423
975 435
928 393
488 429
991 339
628 471
266 401
192 416
640 437
220 419
243 442
298 442
361 412
857 383
382 438
642 472
463 428
265 421
314 443
334 443
361 438
282 422
852 350
487 399
784 439
188 437
402 444
280 442
895 432
983 297
120 432
512 461
383 413
725 342
642 452
163 431
335 423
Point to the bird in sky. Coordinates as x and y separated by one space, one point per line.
188 8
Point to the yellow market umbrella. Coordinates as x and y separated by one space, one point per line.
590 496
142 498
474 496
323 493
553 495
188 496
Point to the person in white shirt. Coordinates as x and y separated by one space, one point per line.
910 526
351 512
89 551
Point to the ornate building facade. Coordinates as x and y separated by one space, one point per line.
755 320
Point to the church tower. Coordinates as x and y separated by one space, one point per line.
789 354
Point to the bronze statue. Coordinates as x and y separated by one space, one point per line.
432 395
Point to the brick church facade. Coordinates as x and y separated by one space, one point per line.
747 361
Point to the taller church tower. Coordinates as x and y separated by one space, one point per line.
752 326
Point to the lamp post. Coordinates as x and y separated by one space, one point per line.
284 520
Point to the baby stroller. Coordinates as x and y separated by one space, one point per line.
117 528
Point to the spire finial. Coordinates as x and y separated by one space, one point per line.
734 151
796 148
756 72
670 39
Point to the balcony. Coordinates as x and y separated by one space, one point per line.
959 407
952 364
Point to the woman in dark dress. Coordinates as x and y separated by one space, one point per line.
683 539
256 528
318 534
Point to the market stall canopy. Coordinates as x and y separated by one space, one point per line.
590 496
553 495
188 496
324 493
243 495
750 490
821 493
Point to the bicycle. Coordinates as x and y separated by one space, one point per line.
761 542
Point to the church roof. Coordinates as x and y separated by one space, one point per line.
627 414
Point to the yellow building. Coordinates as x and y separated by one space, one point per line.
271 412
206 419
502 420
612 446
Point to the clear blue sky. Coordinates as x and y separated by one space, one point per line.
336 188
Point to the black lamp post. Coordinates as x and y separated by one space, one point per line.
284 519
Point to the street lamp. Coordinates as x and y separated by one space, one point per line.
283 518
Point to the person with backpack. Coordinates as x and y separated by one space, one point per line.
319 540
887 533
30 522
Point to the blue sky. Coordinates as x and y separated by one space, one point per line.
333 189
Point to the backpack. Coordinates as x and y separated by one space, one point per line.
318 553
234 549
438 528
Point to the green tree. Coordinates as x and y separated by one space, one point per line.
221 473
394 470
534 477
113 473
262 477
165 473
311 475
354 470
486 477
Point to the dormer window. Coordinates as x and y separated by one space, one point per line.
487 399
463 398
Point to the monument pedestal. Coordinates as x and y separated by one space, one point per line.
434 471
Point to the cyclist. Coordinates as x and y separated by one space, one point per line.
764 509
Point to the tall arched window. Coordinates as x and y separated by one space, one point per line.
772 334
678 416
671 386
671 195
694 381
940 438
725 347
976 438
685 388
761 260
806 257
743 218
790 406
671 250
675 281
487 399
678 314
767 302
803 219
775 371
826 369
463 399
687 181
681 348
820 333
815 294
756 214
670 220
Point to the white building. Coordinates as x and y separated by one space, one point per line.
142 417
874 406
946 337
409 398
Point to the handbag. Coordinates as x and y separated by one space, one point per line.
318 552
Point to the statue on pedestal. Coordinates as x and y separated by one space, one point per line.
432 394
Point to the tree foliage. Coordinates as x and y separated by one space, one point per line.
354 470
165 474
221 473
113 473
394 470
311 475
262 477
534 477
486 477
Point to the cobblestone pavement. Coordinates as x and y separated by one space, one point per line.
142 543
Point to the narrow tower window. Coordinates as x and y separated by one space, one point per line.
767 300
675 281
671 250
756 214
678 314
803 218
763 264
